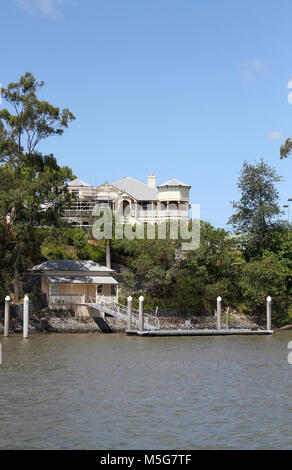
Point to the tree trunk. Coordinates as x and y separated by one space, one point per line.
108 254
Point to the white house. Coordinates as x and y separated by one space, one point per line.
139 202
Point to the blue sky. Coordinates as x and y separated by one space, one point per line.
181 88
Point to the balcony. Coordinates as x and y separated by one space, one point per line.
64 301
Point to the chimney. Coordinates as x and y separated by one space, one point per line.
152 180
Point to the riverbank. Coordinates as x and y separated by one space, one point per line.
65 322
53 322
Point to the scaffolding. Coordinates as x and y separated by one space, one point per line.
80 212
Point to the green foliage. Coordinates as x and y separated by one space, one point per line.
34 121
79 239
284 253
6 245
32 191
171 278
258 208
152 263
69 243
56 251
94 252
285 150
285 318
4 285
261 278
129 284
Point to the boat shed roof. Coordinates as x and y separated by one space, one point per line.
70 265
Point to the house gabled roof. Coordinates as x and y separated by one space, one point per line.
70 265
136 189
111 186
174 182
78 183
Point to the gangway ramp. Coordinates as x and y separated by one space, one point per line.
97 307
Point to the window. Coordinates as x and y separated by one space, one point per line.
54 289
113 290
99 289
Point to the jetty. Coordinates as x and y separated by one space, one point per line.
141 331
194 332
143 324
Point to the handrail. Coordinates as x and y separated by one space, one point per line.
151 322
147 316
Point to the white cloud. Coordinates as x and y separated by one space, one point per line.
48 8
252 70
275 135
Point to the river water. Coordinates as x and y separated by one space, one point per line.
97 391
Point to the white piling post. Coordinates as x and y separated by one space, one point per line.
219 313
141 314
25 316
269 313
226 319
129 323
6 316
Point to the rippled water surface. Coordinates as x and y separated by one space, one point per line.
117 392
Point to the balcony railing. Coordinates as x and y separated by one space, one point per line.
66 299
